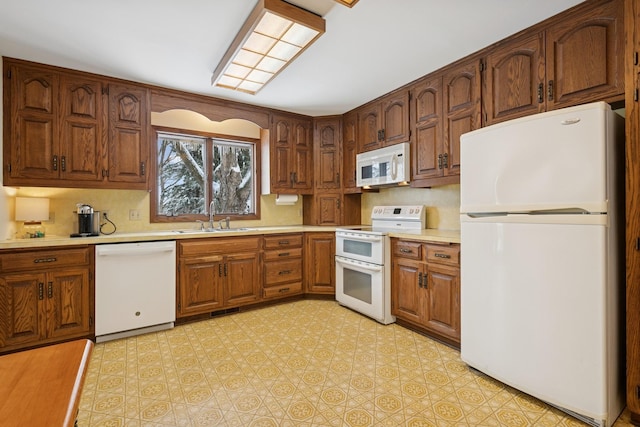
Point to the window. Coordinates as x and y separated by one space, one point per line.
196 171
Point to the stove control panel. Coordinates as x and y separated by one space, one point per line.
413 212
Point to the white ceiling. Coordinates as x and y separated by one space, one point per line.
367 51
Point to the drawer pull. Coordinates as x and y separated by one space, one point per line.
283 290
41 260
405 251
284 272
284 254
442 256
283 242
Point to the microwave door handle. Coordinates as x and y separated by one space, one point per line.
358 266
394 166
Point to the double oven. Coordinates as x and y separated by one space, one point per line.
363 260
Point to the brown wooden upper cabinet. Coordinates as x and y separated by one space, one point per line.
384 122
56 130
576 60
349 153
444 105
327 132
291 155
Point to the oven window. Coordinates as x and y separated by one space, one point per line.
357 285
357 248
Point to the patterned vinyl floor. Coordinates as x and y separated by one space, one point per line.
306 363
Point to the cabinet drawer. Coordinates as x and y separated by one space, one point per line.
444 254
283 241
283 290
47 259
283 254
404 249
276 272
219 246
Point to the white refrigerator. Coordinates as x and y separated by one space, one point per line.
542 285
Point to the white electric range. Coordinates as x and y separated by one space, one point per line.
363 260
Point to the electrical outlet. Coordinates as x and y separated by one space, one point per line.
134 215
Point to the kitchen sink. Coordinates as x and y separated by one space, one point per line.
213 230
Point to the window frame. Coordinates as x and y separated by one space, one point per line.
155 217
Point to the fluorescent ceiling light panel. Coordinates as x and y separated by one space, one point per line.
273 35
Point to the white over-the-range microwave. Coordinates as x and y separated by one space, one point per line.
384 166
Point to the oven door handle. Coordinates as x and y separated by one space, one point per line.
358 265
360 238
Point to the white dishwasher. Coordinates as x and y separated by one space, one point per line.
135 288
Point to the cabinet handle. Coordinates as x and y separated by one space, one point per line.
50 290
283 272
142 168
284 254
445 161
550 90
40 291
420 280
55 163
219 270
42 260
283 290
405 250
540 91
63 163
439 161
225 270
438 255
283 242
338 204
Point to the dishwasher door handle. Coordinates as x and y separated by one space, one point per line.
132 251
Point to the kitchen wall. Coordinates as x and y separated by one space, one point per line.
443 203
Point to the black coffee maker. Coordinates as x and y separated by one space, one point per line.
88 221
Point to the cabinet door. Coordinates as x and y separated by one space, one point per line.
34 152
369 128
200 286
406 301
20 320
442 312
128 141
428 145
303 157
349 153
514 80
243 284
281 146
320 249
326 145
68 303
395 118
82 138
329 206
585 56
461 110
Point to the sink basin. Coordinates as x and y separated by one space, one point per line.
213 230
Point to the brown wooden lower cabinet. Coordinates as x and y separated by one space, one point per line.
425 284
217 273
319 266
282 266
46 296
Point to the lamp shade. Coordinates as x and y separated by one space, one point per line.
32 209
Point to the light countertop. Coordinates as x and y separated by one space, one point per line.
443 236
